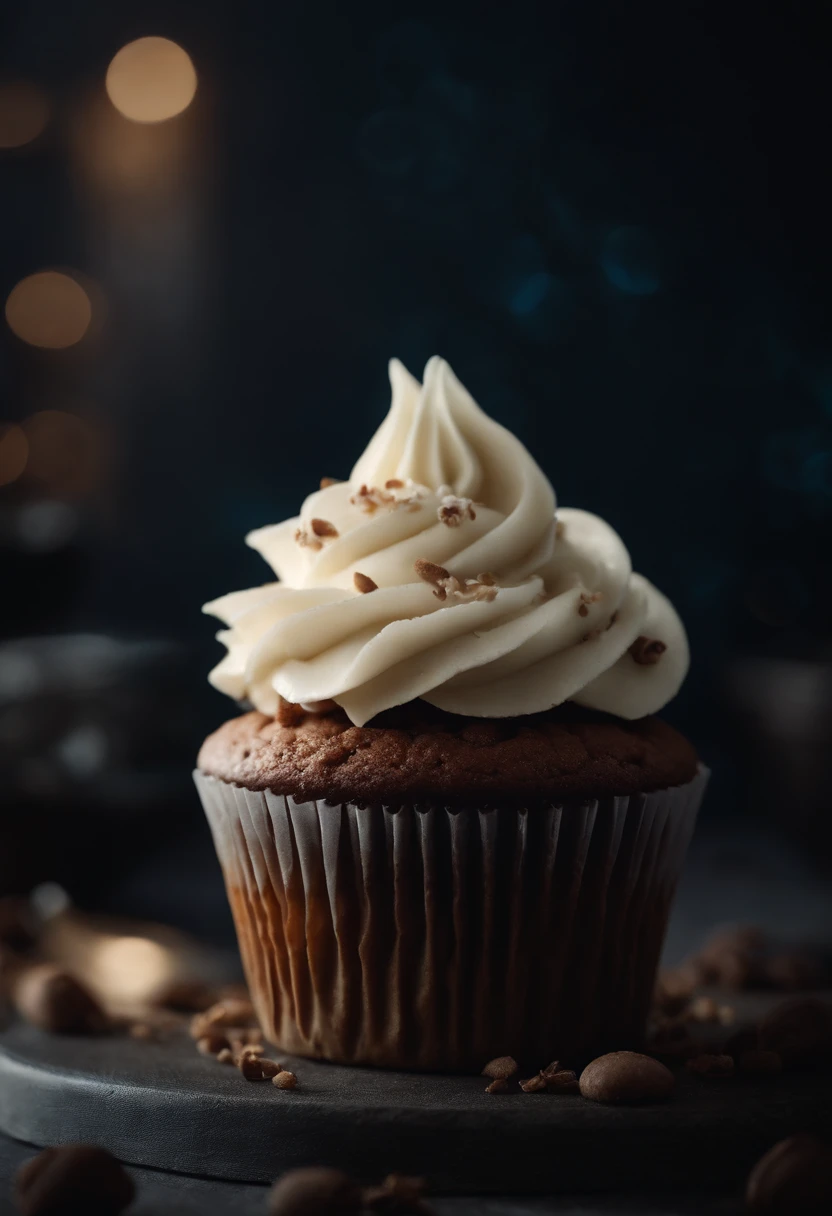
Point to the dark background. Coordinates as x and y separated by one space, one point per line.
612 219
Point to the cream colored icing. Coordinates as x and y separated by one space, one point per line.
553 618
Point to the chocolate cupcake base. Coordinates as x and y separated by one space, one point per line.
436 938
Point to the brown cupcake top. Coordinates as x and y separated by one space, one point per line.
418 754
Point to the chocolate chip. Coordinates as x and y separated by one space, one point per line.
285 1080
760 1062
793 1179
711 1065
314 1192
534 1085
799 1031
55 1001
502 1068
73 1178
270 1069
498 1086
562 1082
626 1076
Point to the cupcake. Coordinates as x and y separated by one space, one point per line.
449 825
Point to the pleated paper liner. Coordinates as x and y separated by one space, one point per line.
436 938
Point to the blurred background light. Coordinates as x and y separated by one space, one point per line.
49 309
43 527
24 112
14 452
629 259
151 80
64 452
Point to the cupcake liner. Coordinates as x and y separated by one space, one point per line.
437 938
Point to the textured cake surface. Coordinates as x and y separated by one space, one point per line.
419 754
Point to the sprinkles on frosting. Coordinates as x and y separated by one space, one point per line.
369 498
453 511
313 538
467 590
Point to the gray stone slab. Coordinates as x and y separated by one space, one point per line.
165 1106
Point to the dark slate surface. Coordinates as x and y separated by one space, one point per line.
165 1106
162 1194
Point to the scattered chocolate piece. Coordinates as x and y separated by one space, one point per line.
55 1001
551 1069
73 1178
498 1086
285 1080
626 1076
270 1068
212 1044
251 1067
229 1012
397 1194
760 1062
363 583
565 1081
711 1066
315 1191
799 1031
534 1085
647 651
501 1069
793 1179
326 482
187 996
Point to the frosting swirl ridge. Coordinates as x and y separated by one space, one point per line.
443 569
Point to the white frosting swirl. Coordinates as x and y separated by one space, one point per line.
553 619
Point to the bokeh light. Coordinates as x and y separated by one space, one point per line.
14 452
64 453
49 309
151 80
24 112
